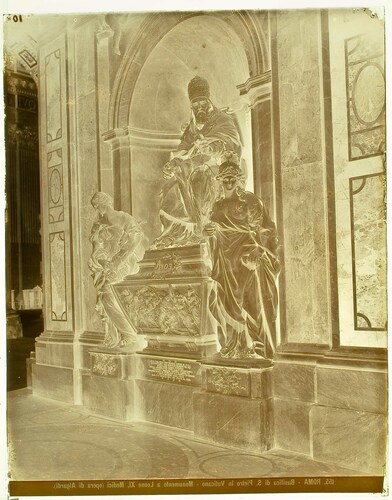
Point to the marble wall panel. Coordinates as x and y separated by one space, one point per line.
294 381
368 226
349 438
147 182
87 160
85 47
292 425
107 181
165 403
262 154
58 283
365 80
253 384
54 88
55 186
55 228
53 383
57 354
299 82
104 364
352 389
345 32
303 189
108 396
305 243
233 421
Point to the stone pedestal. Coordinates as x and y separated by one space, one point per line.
108 386
235 405
165 386
167 302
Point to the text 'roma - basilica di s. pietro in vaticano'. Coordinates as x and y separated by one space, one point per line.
208 191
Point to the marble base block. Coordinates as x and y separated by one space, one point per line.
55 354
234 421
165 403
111 397
165 388
292 425
235 407
294 381
358 389
350 438
108 386
53 382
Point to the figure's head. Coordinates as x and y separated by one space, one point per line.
230 175
101 202
199 96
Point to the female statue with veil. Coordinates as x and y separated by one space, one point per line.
243 246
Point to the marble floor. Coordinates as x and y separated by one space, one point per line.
73 444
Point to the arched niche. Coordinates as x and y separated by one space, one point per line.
149 102
203 45
250 27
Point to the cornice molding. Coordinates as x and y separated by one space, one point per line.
324 356
142 138
258 88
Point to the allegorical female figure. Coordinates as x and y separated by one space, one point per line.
243 246
118 245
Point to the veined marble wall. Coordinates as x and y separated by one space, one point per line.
306 274
358 110
55 210
71 174
87 155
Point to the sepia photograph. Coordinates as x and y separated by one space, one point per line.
195 251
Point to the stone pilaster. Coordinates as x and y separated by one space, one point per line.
257 90
104 37
299 136
70 174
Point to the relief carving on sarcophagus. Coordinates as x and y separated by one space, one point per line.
167 301
164 310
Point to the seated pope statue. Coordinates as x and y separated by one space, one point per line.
118 244
190 187
244 252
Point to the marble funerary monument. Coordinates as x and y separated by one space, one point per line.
226 276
